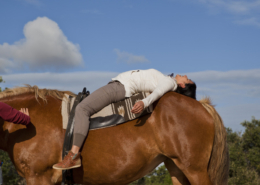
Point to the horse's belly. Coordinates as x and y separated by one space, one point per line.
117 161
118 155
115 172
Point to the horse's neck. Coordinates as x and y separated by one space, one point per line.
4 133
5 127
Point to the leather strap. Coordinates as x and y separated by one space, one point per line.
67 175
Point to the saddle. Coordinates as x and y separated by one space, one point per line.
111 115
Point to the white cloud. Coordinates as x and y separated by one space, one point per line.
236 94
241 10
232 84
73 81
34 2
92 11
251 21
233 115
5 65
129 58
228 77
44 46
233 6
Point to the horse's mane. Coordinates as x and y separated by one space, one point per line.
41 93
206 100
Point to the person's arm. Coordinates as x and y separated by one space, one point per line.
12 115
164 85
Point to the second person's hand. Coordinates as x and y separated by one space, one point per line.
25 111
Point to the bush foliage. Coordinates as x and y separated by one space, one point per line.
1 80
10 176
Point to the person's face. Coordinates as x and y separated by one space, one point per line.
182 80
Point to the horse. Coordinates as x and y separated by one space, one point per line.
187 135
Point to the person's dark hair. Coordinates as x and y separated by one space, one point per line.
189 90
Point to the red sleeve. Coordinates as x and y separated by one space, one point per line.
10 114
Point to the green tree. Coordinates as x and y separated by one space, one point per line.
244 150
159 176
251 143
1 80
10 175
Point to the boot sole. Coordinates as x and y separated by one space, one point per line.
57 168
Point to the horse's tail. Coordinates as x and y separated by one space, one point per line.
218 168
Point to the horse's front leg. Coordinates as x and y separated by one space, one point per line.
47 178
39 180
177 176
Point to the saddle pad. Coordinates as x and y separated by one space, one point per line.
122 108
66 106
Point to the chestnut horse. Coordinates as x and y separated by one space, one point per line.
185 134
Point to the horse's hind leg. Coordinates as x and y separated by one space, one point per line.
178 178
198 178
196 174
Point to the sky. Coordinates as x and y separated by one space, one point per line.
68 45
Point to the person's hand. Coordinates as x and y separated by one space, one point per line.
138 107
25 111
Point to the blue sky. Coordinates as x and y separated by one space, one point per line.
71 44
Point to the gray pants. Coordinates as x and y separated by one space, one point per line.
110 93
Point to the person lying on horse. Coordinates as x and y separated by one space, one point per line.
12 115
124 85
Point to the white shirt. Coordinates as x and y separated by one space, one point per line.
149 80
